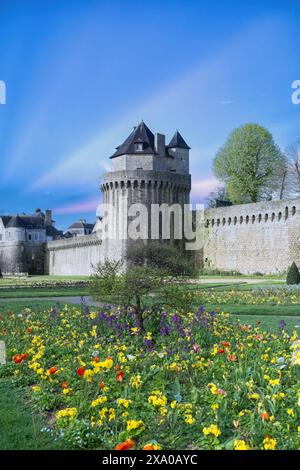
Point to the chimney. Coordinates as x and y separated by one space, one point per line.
160 144
48 217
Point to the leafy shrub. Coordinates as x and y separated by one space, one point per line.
168 258
293 275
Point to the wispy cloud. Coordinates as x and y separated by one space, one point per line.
79 207
79 168
203 187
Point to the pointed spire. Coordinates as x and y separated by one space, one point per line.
178 141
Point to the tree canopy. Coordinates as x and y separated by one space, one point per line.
248 164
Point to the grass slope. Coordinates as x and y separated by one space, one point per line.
21 426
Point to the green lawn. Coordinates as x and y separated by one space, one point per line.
17 306
46 292
270 322
262 310
20 425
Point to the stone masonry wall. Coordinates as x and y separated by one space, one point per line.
80 256
251 238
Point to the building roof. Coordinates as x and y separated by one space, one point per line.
5 219
140 134
178 141
15 222
23 221
53 232
81 224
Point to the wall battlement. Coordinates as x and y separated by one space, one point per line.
250 238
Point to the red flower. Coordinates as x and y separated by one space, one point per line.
19 358
80 371
96 359
221 351
64 384
101 385
128 444
226 344
120 375
52 370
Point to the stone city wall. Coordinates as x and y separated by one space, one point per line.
252 238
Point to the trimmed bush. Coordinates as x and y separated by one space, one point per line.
293 275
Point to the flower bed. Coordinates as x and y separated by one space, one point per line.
257 296
199 381
42 284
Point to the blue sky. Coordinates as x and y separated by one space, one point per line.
81 74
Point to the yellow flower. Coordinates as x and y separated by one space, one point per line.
133 425
274 382
269 443
290 412
36 388
136 381
189 419
99 401
67 413
123 402
239 444
213 388
88 375
157 399
212 429
134 331
66 391
111 414
253 396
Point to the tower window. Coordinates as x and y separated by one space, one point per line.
139 146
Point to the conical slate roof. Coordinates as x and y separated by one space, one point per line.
178 141
140 134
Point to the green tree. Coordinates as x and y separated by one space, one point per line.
143 289
169 259
247 164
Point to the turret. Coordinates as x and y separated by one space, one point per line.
180 151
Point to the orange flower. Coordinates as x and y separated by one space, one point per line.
101 385
80 371
245 327
64 384
126 445
259 337
226 344
120 375
231 357
265 416
96 359
29 330
53 370
149 447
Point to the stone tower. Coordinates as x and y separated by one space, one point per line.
145 171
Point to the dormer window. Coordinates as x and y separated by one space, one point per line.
139 146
